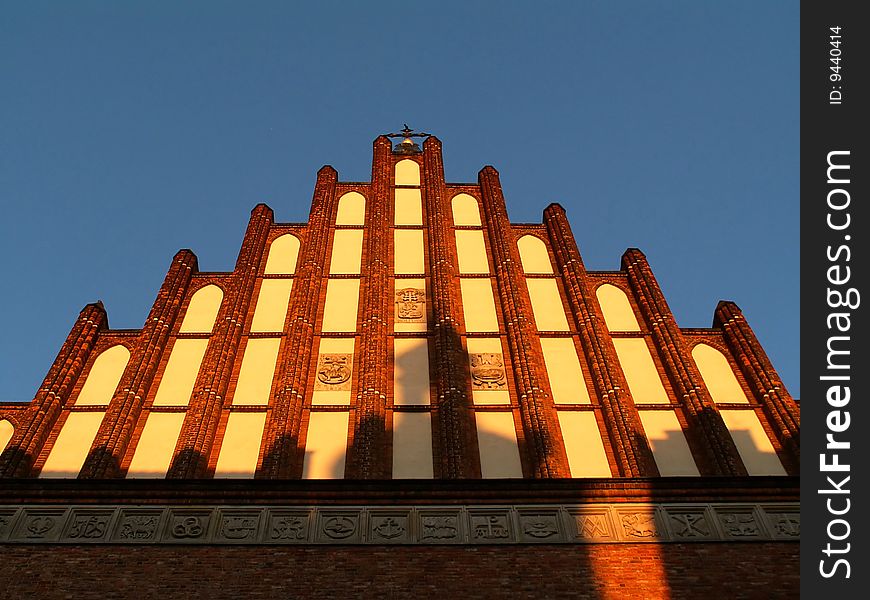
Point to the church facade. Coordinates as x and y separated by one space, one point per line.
411 374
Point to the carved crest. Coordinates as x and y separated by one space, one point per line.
411 305
333 371
487 371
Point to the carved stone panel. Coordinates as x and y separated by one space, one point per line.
389 527
188 526
490 526
288 526
638 524
39 525
591 525
783 523
487 371
339 526
410 305
540 525
238 526
439 526
88 525
7 522
138 525
690 523
740 523
333 372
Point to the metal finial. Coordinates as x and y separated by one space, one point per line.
407 145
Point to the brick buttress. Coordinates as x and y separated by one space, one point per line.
711 443
284 454
778 405
209 392
544 447
633 455
40 417
125 408
453 429
369 450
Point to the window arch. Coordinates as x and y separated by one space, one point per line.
104 376
283 253
6 431
407 172
466 210
351 209
617 310
717 374
202 310
534 255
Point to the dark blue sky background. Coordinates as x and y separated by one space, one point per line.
130 130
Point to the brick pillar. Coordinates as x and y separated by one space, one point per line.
209 392
368 455
544 445
283 457
454 433
707 435
123 411
630 448
37 421
778 405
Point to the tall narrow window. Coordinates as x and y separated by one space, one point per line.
497 440
104 376
326 446
180 373
668 443
466 211
583 444
351 209
283 253
202 310
6 431
240 449
340 308
407 172
412 445
72 445
533 255
409 206
641 374
618 314
718 375
156 446
272 302
752 442
257 371
346 252
547 305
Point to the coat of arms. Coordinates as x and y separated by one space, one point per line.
487 371
333 370
411 305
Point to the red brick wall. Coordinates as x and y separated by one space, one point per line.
606 571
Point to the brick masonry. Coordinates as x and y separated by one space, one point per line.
746 571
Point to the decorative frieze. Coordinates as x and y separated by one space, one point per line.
478 524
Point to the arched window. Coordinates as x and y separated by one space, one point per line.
407 172
104 376
533 255
717 374
616 308
282 255
202 310
351 209
6 431
466 210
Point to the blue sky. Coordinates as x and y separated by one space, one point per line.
130 130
